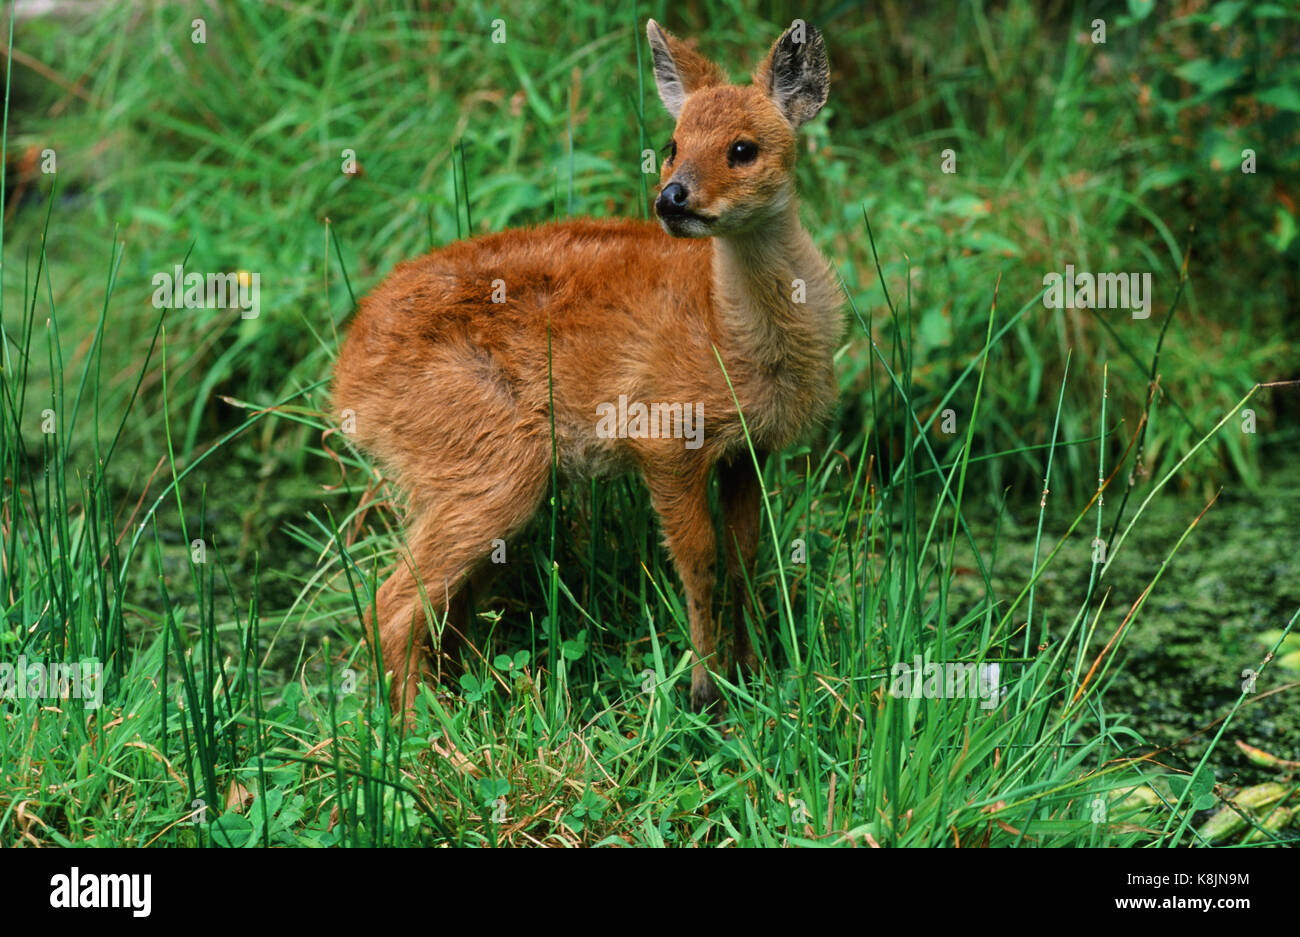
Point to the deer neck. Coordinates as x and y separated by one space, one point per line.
778 303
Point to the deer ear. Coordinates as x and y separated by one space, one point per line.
795 75
679 69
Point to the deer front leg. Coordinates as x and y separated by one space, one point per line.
682 503
740 492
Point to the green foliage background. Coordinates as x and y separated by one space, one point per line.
227 154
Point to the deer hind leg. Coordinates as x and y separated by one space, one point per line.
415 613
740 492
452 533
682 503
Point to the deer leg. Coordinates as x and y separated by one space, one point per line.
682 503
453 532
740 492
420 609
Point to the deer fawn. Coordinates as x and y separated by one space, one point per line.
451 365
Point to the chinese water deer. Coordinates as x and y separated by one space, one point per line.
453 364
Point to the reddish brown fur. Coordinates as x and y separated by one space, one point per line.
450 390
696 71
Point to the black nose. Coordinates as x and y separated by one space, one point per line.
672 200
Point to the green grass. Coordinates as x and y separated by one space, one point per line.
191 522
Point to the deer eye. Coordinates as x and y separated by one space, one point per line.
671 149
741 153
